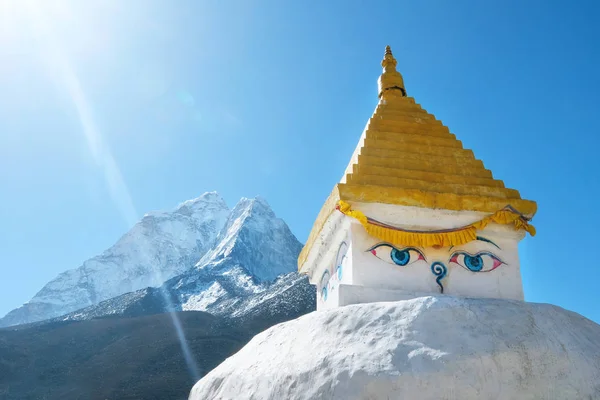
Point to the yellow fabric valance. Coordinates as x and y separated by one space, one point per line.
449 237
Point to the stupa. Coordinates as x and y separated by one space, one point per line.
414 214
423 235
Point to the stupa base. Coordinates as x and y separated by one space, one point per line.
344 295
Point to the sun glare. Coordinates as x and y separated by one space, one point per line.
12 11
20 21
55 27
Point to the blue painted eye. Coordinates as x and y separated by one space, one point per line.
324 284
392 255
400 257
481 262
474 263
339 259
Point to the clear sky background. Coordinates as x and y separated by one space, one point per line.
110 109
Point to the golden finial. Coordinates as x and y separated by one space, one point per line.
388 60
390 78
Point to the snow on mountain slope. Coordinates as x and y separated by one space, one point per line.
249 271
253 249
253 234
146 301
162 245
290 296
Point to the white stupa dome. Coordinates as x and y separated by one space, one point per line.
425 348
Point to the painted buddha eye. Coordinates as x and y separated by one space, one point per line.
480 262
341 256
324 284
393 255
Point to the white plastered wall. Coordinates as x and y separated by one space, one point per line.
378 274
329 263
336 271
502 282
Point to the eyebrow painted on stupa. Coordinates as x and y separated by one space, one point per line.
482 239
410 191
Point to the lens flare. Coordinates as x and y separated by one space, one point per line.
67 77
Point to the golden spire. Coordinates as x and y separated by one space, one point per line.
407 157
390 81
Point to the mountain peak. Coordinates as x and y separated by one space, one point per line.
261 200
213 196
252 237
160 246
205 202
248 244
257 201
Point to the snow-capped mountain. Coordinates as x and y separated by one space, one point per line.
253 249
200 256
249 271
253 234
288 297
245 277
160 246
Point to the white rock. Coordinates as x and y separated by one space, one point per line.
424 348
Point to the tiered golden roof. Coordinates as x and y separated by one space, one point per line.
408 157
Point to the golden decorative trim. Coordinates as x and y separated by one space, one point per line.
445 238
428 199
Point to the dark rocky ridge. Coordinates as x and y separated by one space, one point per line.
112 358
125 357
126 347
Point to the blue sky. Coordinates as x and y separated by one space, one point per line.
111 109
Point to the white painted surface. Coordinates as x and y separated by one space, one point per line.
380 272
425 348
502 282
334 230
338 270
419 218
353 294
